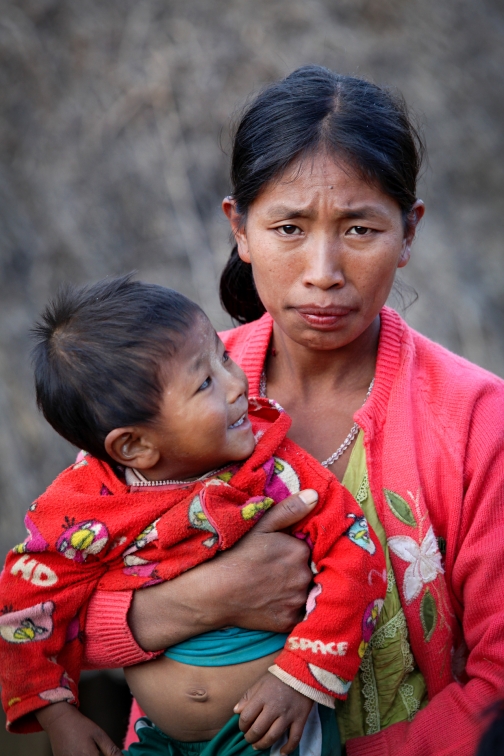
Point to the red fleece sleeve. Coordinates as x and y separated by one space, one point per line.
41 632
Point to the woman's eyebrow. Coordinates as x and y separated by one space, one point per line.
365 212
287 213
282 212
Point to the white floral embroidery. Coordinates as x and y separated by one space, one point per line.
424 559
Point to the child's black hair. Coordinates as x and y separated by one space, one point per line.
99 356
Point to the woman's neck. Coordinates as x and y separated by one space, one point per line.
308 370
322 390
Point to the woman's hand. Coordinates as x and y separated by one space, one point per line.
73 734
261 583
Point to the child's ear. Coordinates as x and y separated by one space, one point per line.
131 447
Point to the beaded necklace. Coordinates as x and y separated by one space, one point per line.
348 440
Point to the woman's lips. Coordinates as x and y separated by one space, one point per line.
323 318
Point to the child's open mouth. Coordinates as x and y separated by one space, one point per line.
239 422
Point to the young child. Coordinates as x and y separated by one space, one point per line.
177 467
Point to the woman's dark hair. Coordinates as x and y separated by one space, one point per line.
100 355
316 109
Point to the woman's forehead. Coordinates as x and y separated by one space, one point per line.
306 182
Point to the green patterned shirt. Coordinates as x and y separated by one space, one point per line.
389 687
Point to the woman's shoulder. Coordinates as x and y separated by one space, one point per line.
445 369
447 392
436 365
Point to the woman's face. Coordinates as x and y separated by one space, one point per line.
324 246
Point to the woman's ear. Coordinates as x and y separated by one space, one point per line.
415 215
237 224
131 447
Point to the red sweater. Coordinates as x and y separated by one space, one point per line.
434 436
116 540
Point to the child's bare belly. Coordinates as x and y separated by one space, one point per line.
192 703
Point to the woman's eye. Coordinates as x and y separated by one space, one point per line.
359 230
206 383
289 230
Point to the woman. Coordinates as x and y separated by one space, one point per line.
323 211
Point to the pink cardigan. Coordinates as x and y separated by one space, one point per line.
434 440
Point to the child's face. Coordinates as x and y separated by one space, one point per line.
203 422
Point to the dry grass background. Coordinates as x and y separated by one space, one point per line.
114 143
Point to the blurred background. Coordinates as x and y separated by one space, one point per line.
115 122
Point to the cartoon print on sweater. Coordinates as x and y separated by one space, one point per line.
369 622
81 460
61 693
81 539
358 532
73 630
32 624
147 535
282 480
311 601
255 507
330 681
199 520
33 542
135 566
227 474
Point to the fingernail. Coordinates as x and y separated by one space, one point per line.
309 496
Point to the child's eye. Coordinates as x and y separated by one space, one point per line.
289 230
225 357
206 383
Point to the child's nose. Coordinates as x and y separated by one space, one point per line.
238 386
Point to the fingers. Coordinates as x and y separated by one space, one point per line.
241 703
288 512
106 746
295 733
250 710
262 735
265 732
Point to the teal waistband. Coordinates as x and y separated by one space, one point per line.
230 645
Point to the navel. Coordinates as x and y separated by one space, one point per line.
197 694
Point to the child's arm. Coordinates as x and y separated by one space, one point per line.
324 651
43 602
44 589
268 709
73 734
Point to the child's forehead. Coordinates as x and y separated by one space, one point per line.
201 338
197 346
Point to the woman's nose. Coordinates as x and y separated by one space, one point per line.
323 267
